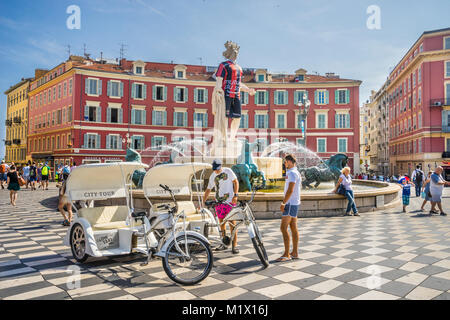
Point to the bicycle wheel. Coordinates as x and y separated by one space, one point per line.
259 247
192 270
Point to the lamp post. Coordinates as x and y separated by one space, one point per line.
303 112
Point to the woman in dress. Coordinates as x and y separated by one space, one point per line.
13 184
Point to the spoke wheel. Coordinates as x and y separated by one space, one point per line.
259 247
78 243
188 270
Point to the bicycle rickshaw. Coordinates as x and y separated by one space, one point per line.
119 230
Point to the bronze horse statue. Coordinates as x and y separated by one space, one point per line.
318 175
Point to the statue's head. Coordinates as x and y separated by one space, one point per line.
232 50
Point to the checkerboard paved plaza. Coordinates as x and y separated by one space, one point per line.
380 255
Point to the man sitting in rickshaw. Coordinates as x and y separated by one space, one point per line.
226 184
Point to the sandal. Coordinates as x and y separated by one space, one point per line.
283 259
294 257
235 250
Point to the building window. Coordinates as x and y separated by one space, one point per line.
180 94
91 141
321 145
180 74
158 142
137 142
65 88
281 97
200 120
322 121
158 118
113 142
261 78
447 43
180 119
342 96
91 113
200 95
281 121
138 116
70 87
93 87
300 96
138 70
115 89
342 120
159 93
447 69
244 121
261 121
139 91
342 145
421 47
114 115
261 97
262 144
321 97
59 92
69 114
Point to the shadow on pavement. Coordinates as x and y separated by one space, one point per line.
50 203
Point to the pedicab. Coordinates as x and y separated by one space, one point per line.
181 179
111 230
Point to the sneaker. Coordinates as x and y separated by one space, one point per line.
222 247
443 214
356 214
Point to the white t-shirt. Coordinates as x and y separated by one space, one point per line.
292 175
225 181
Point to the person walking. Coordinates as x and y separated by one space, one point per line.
436 188
3 173
39 175
64 202
226 185
33 176
13 184
289 208
26 174
426 191
406 192
417 177
45 172
346 180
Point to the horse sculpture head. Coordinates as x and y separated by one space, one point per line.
133 156
338 161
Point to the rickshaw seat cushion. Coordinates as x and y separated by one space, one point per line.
105 218
190 210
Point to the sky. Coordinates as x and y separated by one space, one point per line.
282 36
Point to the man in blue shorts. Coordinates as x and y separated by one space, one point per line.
289 208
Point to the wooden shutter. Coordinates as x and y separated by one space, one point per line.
185 124
205 120
336 120
86 113
164 118
108 142
347 96
144 116
286 97
153 122
133 116
266 121
327 100
108 114
256 97
153 142
175 91
275 98
119 143
296 96
195 95
108 88
336 96
99 87
165 93
348 120
266 97
97 142
316 97
120 115
154 92
121 88
246 97
144 91
186 91
133 91
99 114
206 95
85 145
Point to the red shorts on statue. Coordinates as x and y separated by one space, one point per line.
223 209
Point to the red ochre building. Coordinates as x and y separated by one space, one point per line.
419 106
81 111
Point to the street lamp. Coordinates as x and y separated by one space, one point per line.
303 112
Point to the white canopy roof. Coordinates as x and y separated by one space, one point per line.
101 180
177 176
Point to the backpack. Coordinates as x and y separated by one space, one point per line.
66 170
44 171
2 168
419 176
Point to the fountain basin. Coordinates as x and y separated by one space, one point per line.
379 196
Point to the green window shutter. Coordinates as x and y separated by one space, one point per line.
165 93
153 117
108 88
205 120
336 121
99 114
144 93
98 143
336 96
108 142
86 113
164 141
348 120
144 116
133 116
327 97
153 142
195 95
275 98
143 143
119 143
246 121
164 118
120 115
444 118
108 114
186 92
316 97
85 145
296 96
286 97
347 96
246 98
185 124
86 86
266 97
255 122
121 88
256 97
133 91
154 92
266 121
175 91
206 95
99 87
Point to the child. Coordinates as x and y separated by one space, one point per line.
406 192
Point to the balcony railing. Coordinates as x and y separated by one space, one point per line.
439 102
16 141
8 123
17 120
446 154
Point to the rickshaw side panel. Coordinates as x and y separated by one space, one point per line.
91 245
